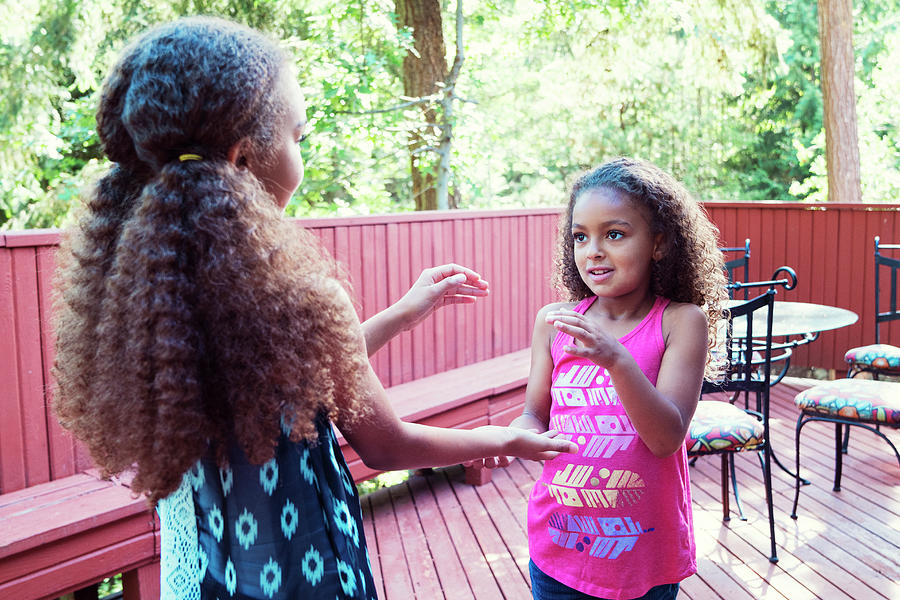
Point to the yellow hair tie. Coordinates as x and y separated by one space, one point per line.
186 157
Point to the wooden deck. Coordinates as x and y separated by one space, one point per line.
437 537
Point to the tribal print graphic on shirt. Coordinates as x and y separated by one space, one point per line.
585 485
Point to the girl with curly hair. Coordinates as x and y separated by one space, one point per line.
618 370
208 344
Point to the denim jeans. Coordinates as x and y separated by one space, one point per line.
544 587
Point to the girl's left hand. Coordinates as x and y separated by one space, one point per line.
593 343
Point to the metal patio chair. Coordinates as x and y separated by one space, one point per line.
854 402
726 427
879 358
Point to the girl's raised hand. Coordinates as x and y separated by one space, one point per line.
435 287
593 343
441 286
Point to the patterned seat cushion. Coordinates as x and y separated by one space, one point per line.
722 427
862 400
875 356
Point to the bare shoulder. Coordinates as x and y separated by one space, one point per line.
682 318
543 330
548 308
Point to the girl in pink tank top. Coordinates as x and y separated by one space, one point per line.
618 371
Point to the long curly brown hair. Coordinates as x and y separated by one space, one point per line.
190 314
692 268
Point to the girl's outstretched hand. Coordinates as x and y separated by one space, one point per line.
527 444
435 287
592 343
441 286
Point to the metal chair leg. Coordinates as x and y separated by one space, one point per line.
734 486
767 475
846 443
726 511
800 423
838 456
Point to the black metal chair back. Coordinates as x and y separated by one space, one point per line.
743 353
893 266
750 354
742 262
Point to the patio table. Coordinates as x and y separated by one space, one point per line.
797 319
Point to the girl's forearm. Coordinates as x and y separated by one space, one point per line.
658 421
416 445
380 328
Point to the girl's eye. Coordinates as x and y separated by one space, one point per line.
579 237
614 235
303 138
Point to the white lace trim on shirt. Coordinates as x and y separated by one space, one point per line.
179 552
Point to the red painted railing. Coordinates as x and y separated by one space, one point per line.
829 246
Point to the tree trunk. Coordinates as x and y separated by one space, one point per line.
444 199
841 140
420 77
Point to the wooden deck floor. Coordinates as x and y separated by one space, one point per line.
437 537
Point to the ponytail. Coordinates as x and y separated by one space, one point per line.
85 258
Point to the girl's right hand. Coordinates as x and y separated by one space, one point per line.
527 444
593 343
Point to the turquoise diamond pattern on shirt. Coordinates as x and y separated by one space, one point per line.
313 566
204 562
348 577
226 477
230 577
286 425
247 529
345 522
345 478
268 476
197 475
308 474
289 519
216 523
270 578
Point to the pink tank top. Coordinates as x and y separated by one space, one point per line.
612 520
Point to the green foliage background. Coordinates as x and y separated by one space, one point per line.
724 93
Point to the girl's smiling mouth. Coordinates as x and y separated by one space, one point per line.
599 274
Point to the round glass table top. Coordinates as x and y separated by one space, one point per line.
795 318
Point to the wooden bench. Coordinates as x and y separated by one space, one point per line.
490 392
67 534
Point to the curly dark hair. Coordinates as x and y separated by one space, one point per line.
692 268
190 314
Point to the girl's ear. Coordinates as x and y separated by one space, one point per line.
237 154
659 246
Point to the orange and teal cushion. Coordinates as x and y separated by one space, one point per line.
863 400
722 427
874 356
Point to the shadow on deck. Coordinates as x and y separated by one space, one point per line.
437 537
